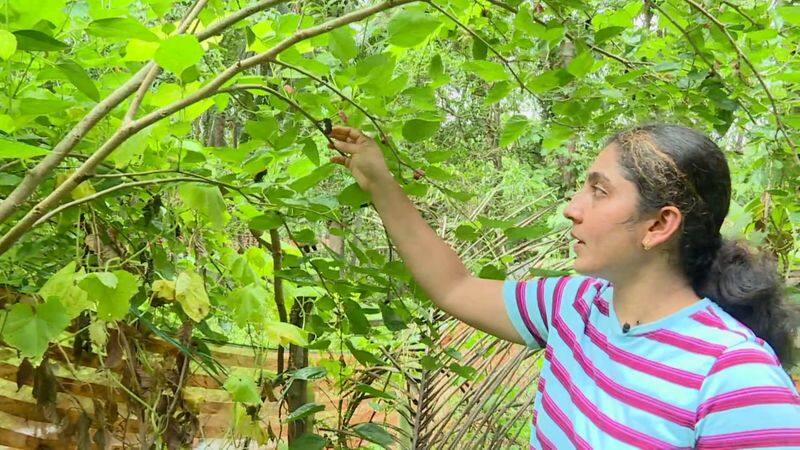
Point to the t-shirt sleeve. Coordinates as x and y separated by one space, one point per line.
747 401
529 305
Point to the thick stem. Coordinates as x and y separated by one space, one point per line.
280 302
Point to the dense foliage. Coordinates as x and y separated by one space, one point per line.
164 174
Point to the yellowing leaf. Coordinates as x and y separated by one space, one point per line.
190 292
164 289
285 333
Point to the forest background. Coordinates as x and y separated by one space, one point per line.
166 200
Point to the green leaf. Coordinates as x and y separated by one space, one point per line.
138 50
307 182
112 303
310 373
514 127
391 319
8 44
206 200
358 321
581 64
353 196
436 71
308 441
62 286
374 433
373 392
121 28
265 222
242 388
416 130
36 41
607 33
248 304
529 232
190 292
304 411
19 150
411 26
107 279
486 70
311 151
497 92
790 14
179 52
364 357
342 44
78 77
479 48
30 330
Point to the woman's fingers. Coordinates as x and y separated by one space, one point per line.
340 160
347 134
344 146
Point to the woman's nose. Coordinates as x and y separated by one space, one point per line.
571 210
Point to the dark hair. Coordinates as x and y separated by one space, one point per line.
675 165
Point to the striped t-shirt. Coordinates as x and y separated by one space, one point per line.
697 378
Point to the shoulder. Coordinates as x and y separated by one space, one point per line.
748 358
547 287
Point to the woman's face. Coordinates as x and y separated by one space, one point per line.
601 213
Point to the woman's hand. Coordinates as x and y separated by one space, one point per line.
364 157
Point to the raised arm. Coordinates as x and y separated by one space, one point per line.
433 264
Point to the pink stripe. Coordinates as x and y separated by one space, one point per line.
546 443
750 396
684 342
602 421
744 356
602 305
774 437
667 411
522 305
745 327
710 320
636 362
542 306
543 441
561 419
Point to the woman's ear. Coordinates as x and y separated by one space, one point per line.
665 225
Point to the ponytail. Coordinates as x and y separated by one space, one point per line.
748 287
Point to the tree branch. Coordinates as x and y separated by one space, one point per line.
749 63
699 53
241 87
125 131
36 176
375 121
105 192
488 45
155 70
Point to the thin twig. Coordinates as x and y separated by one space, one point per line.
750 64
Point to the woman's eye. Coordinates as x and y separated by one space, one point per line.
597 190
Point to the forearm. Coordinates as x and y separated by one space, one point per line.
433 264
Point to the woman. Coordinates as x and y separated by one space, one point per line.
670 337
